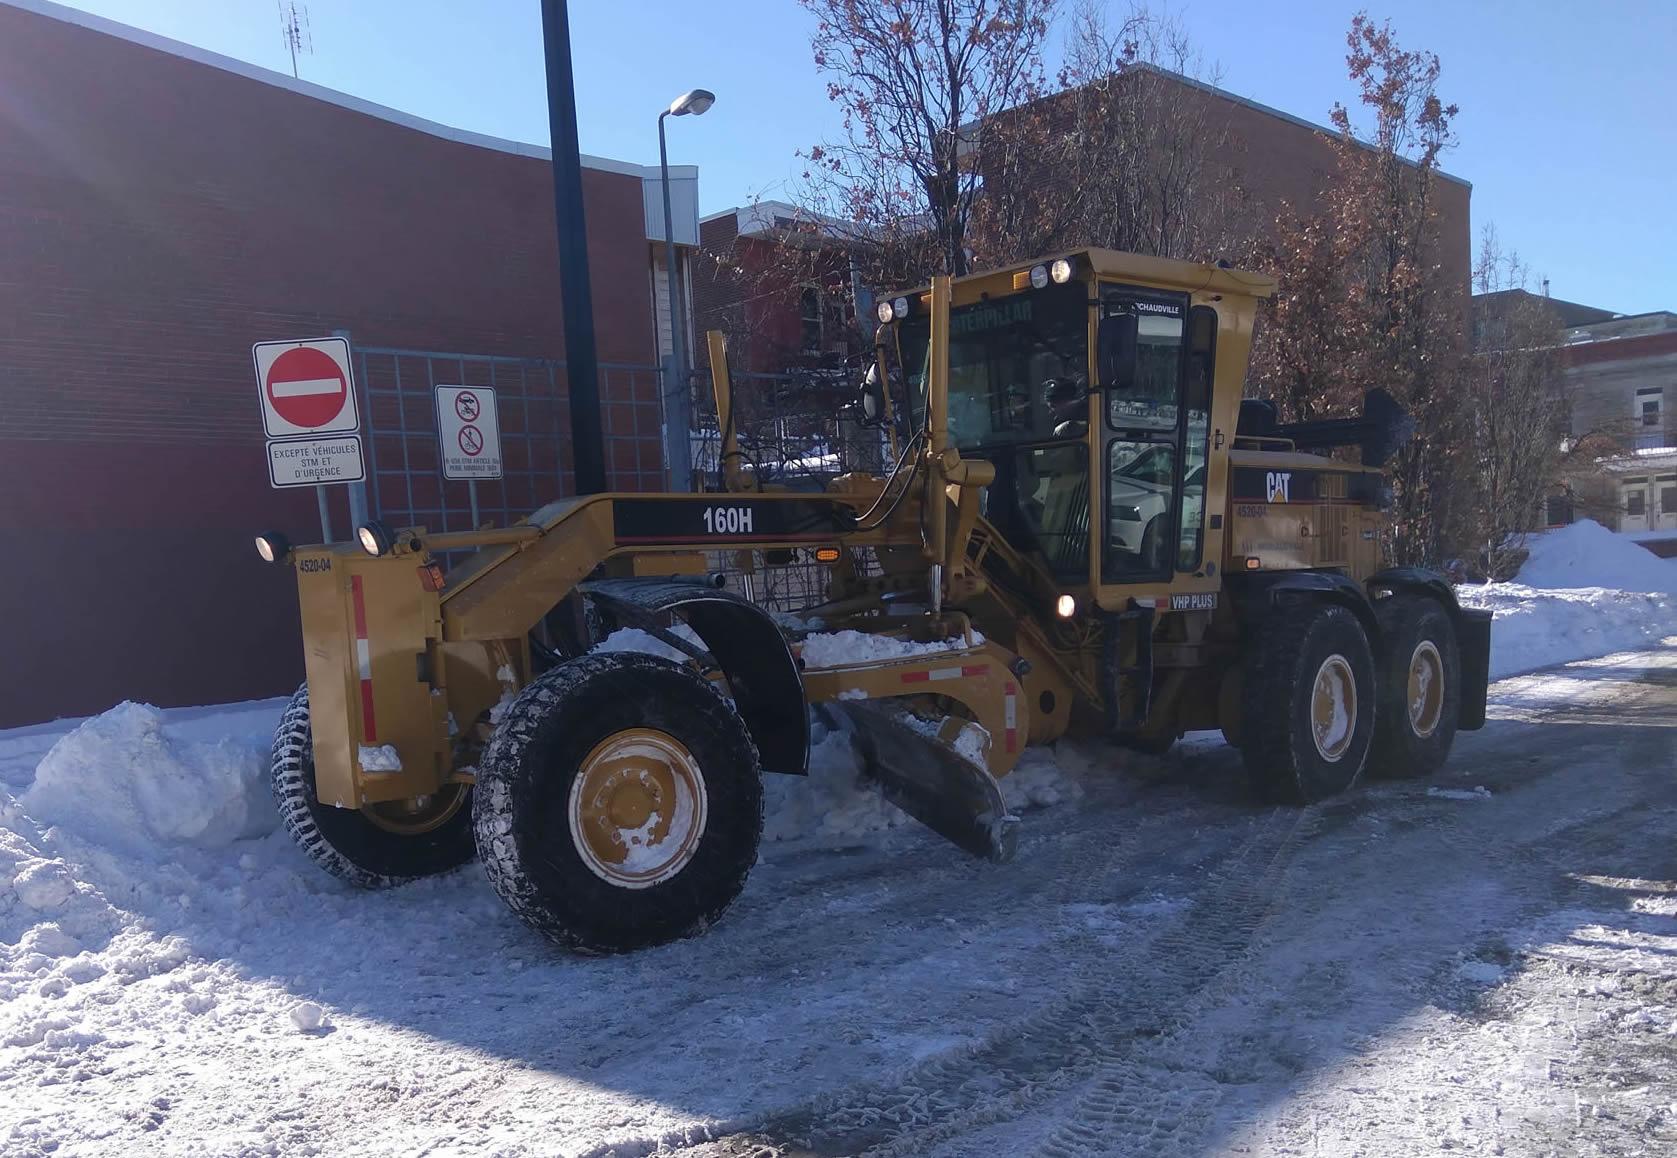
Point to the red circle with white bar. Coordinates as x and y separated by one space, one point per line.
306 388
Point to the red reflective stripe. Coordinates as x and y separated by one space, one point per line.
369 729
916 677
975 669
1012 732
367 712
360 607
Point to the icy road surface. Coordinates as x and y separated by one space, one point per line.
1484 963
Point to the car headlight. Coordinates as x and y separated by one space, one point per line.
1127 514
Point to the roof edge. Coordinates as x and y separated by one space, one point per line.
318 92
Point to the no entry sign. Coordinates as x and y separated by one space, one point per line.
468 432
308 410
306 387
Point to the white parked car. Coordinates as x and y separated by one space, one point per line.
1138 511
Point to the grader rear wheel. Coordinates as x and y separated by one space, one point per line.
1421 693
619 804
384 844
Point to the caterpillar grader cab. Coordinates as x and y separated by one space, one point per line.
1084 529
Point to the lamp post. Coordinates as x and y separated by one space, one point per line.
695 102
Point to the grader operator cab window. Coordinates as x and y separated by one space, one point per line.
1018 367
1019 398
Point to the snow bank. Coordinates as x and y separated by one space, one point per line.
1583 592
1534 628
124 780
1587 554
832 649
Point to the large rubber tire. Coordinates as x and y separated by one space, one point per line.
523 808
1296 648
343 841
1413 739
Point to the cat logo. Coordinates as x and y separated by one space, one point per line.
1277 484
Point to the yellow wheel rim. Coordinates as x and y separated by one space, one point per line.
1333 708
417 814
1426 689
637 808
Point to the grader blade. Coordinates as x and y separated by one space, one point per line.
940 788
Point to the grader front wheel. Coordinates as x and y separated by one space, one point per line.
384 844
619 804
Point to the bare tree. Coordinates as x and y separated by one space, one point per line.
1364 299
911 76
1518 401
1130 151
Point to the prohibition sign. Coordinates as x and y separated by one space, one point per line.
467 407
471 440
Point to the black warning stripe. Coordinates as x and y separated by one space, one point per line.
725 519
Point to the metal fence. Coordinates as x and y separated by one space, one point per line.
404 468
797 429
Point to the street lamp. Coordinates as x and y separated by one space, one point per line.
695 102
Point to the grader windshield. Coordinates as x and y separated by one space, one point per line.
1020 375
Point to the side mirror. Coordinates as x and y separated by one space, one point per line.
1116 351
872 401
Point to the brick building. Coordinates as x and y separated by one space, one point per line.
1261 157
779 312
161 209
1621 374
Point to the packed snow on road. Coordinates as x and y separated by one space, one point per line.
1486 962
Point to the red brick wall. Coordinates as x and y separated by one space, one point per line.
159 215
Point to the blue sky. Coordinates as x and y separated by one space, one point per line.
1565 111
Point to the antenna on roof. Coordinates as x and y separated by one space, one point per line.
294 26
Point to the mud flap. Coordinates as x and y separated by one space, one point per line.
943 790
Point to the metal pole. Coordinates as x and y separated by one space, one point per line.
678 443
581 360
471 489
325 514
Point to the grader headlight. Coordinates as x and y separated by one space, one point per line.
884 313
375 537
1065 606
1060 271
272 546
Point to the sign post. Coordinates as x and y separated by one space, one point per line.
469 437
309 415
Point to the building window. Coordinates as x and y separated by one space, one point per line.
810 304
1649 403
1559 513
1667 487
1636 498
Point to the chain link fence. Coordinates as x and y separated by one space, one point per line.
405 485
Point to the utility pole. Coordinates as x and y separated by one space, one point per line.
581 361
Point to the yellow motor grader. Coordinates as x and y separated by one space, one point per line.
1086 529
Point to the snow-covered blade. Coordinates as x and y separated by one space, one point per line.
932 782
